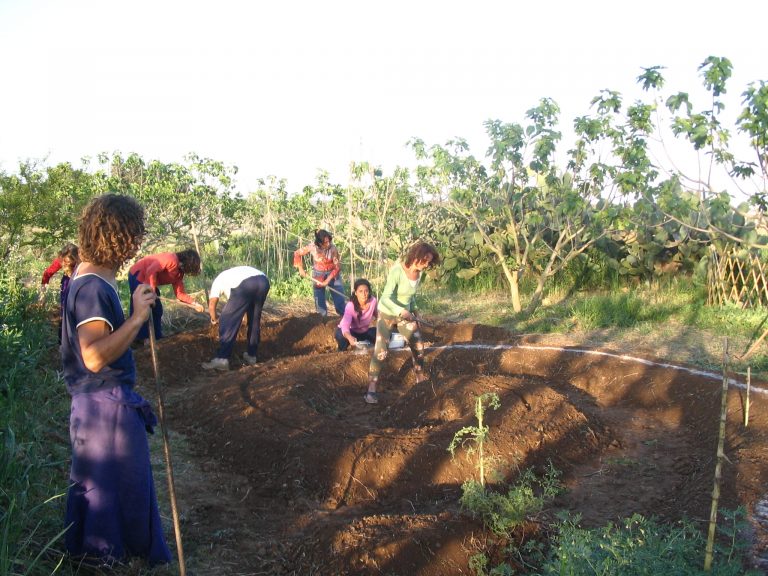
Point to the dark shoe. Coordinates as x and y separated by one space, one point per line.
371 398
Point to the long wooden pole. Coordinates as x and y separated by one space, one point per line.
329 288
202 274
166 448
746 402
718 467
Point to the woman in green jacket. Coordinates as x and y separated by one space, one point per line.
396 309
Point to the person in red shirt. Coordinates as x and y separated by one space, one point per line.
326 271
157 270
67 260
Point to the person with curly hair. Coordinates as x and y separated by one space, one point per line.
159 269
111 508
326 271
397 310
359 315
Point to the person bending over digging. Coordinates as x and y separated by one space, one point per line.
111 510
359 315
160 269
246 290
326 271
396 309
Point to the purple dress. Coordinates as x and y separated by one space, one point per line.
112 509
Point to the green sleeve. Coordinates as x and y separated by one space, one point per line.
387 300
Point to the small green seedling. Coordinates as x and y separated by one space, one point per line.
476 435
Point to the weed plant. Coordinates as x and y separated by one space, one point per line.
640 546
502 512
33 423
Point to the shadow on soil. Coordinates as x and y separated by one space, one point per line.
285 470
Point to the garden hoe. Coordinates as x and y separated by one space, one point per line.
166 448
329 288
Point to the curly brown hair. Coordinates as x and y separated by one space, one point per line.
111 230
419 251
190 261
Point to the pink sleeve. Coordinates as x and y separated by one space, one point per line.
346 320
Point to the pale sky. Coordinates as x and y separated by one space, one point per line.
287 88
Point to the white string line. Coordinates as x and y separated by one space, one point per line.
693 371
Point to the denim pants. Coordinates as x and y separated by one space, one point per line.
339 301
368 336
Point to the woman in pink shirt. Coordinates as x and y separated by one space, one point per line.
360 314
164 268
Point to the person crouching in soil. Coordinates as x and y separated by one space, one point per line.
111 510
245 289
157 270
397 309
359 315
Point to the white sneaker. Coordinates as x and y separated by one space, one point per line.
216 364
248 359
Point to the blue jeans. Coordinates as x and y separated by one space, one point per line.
369 335
339 301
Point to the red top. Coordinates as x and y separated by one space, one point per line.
322 260
159 269
51 270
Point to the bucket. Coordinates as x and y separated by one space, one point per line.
361 347
397 341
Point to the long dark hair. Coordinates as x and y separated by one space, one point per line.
320 236
358 307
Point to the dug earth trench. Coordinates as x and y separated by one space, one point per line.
281 468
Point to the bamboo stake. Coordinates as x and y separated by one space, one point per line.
746 402
202 274
479 409
754 346
718 467
166 449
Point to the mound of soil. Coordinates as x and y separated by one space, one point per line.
281 468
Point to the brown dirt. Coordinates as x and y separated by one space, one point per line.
281 468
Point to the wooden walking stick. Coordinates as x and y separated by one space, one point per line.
166 448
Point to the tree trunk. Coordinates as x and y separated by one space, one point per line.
546 273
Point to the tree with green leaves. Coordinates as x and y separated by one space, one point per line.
681 205
522 211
